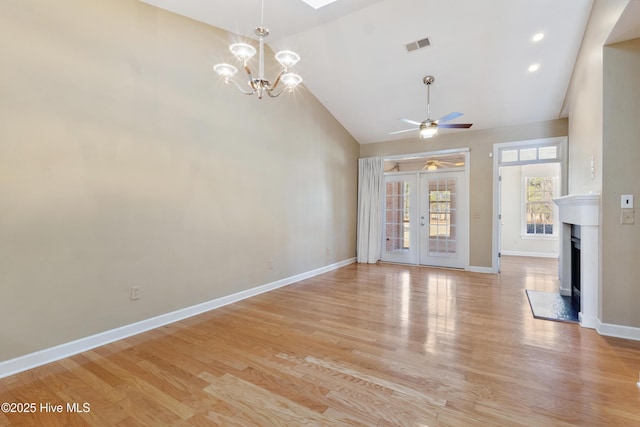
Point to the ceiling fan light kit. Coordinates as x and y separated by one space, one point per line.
429 128
260 85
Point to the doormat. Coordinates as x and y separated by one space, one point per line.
552 306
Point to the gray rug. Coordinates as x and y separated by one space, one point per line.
552 306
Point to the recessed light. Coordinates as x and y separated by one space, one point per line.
537 37
534 67
317 4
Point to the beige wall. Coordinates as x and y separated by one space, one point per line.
480 142
584 100
621 175
125 162
585 126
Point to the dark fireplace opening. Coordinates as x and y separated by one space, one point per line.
575 265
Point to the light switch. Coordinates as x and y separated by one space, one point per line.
626 201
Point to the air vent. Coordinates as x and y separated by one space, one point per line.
419 44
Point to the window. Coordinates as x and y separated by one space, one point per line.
426 162
539 206
528 155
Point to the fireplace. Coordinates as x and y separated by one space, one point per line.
575 265
579 253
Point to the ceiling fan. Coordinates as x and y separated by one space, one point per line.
429 128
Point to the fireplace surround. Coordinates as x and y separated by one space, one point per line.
581 210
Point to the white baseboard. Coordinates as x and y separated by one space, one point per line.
42 357
588 322
487 270
531 254
618 331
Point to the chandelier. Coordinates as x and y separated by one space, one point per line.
260 85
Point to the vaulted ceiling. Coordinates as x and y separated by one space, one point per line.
355 62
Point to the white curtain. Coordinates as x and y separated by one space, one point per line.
370 193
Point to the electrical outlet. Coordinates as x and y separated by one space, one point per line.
270 264
328 251
627 216
135 293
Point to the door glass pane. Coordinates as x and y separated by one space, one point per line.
509 156
545 153
528 154
442 217
397 216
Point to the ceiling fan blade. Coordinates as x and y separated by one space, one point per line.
411 122
457 126
402 131
448 117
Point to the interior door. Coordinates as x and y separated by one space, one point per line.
399 236
444 220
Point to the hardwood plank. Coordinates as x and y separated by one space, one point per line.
262 406
364 345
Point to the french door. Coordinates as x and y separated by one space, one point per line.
444 220
400 232
426 219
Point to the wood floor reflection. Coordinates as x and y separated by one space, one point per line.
372 345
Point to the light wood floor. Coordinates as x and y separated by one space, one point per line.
372 345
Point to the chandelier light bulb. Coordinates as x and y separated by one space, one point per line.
242 51
225 70
291 80
287 58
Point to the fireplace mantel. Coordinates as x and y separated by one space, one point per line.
582 210
579 209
